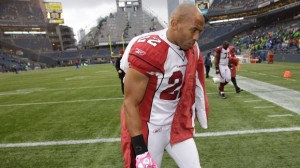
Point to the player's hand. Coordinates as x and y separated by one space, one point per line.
144 161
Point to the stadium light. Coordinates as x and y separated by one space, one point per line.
226 20
24 32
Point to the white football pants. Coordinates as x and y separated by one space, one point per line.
184 153
225 73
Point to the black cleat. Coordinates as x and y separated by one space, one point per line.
223 96
239 90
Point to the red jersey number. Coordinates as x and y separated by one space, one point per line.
170 93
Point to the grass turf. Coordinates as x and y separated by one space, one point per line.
79 104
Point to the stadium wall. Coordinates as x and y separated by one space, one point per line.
287 57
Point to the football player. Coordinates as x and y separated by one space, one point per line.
164 92
221 65
233 63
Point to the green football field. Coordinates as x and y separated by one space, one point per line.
68 117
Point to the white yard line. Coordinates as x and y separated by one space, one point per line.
75 88
263 107
226 133
249 101
12 93
281 115
59 102
294 80
77 77
104 140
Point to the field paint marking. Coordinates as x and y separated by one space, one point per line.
262 74
12 93
30 90
248 101
281 96
281 115
77 77
74 88
58 102
291 79
226 133
104 140
263 107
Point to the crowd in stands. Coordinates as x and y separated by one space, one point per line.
9 63
281 36
24 10
219 5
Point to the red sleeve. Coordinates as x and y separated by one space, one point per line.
145 57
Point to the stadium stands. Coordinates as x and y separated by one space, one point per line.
56 48
20 13
128 22
282 36
233 6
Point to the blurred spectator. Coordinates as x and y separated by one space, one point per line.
207 63
121 73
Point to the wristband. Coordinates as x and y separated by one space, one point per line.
139 145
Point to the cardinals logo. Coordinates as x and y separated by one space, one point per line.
140 52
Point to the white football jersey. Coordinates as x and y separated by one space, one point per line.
165 64
224 57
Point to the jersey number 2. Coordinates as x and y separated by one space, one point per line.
170 93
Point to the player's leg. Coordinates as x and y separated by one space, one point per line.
185 154
207 69
157 141
227 74
233 80
223 74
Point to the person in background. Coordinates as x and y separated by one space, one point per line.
233 63
222 68
207 63
164 92
77 62
270 57
121 73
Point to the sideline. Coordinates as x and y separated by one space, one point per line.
104 140
286 98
